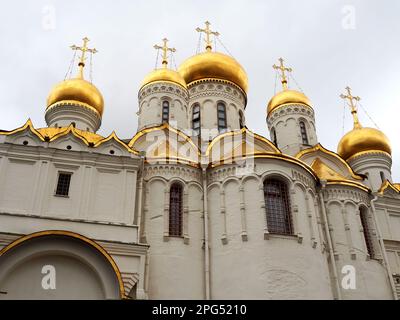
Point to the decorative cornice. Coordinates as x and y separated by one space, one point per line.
216 87
368 154
163 87
73 104
290 108
343 192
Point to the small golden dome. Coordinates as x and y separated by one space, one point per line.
79 91
164 74
214 65
287 97
363 139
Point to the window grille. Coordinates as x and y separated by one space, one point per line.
196 120
277 206
63 183
175 210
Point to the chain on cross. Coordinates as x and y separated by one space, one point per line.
208 32
82 58
282 69
352 105
165 50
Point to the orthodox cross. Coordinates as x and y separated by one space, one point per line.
165 50
208 32
352 106
282 69
82 58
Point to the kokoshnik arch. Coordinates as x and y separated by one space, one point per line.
195 205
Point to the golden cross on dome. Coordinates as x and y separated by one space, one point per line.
165 50
282 69
82 58
208 32
352 106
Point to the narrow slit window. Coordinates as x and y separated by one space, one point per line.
221 109
63 183
383 178
165 112
303 132
196 120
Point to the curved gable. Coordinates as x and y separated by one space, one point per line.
327 164
164 143
389 189
239 144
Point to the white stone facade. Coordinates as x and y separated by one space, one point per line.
111 238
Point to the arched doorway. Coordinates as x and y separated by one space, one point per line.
58 265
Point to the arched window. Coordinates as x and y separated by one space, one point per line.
241 120
366 231
175 210
303 132
196 119
277 207
383 178
273 137
221 109
165 111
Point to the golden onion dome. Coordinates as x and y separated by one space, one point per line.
214 65
77 91
287 97
164 74
362 140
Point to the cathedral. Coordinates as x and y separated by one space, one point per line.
195 205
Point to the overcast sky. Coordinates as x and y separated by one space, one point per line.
329 44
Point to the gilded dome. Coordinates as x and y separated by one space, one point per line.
79 91
363 139
214 65
287 97
164 74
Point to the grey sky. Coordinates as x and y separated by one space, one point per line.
308 34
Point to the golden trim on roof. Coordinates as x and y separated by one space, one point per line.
28 124
241 132
51 134
160 128
319 147
387 184
114 136
277 156
325 172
